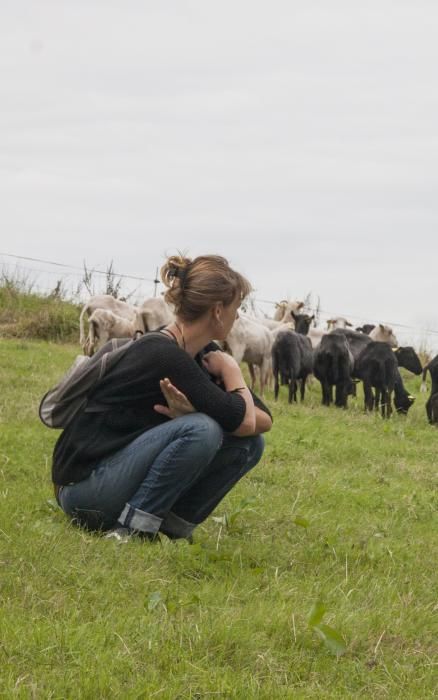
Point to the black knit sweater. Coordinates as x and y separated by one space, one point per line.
130 390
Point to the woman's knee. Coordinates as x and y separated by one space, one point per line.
207 428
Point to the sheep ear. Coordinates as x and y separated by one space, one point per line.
312 317
300 304
381 326
349 324
395 349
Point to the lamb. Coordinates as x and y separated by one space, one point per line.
104 325
108 303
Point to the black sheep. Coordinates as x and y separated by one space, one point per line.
333 364
291 362
432 402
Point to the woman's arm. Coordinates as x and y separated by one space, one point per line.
226 369
179 405
263 421
257 418
233 410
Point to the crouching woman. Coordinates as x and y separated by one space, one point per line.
177 426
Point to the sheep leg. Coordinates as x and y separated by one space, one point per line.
388 403
340 395
295 390
378 400
330 394
384 408
325 393
429 410
276 384
252 375
369 398
291 388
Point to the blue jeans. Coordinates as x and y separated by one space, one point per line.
168 479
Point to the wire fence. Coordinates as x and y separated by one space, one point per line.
45 276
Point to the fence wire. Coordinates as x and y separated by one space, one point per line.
71 278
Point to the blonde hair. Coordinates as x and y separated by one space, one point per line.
195 285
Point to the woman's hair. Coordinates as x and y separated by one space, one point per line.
195 285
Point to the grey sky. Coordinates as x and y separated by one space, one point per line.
299 139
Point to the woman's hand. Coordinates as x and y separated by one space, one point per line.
177 402
217 363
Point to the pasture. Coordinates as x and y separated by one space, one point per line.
341 513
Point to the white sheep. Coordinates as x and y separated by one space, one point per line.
104 325
108 303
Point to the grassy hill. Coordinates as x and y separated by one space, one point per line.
28 315
341 512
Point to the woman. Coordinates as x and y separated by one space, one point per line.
180 426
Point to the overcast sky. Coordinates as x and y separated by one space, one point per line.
298 139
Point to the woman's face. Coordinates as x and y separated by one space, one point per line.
228 315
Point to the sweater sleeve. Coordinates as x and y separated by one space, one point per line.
227 408
258 403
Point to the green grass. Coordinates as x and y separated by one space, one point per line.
341 510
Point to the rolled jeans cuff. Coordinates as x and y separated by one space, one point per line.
139 519
176 527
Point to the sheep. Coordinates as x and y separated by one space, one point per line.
284 309
366 328
302 322
384 334
406 357
378 366
432 402
155 313
291 361
105 301
432 409
333 365
338 322
403 400
250 341
104 325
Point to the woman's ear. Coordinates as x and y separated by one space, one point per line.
216 311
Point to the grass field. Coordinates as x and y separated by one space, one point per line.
341 513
